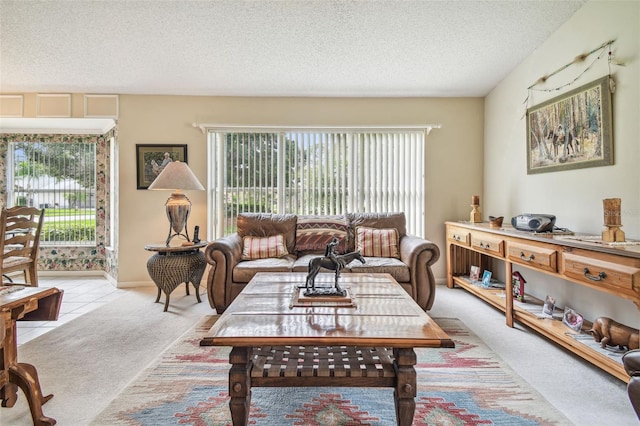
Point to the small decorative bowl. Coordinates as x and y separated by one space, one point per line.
495 222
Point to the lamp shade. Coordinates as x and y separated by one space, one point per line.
176 175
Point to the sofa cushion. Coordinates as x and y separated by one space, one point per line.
398 270
267 224
313 233
301 264
375 220
263 247
245 270
377 242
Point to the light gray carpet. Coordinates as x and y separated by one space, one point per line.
88 361
584 393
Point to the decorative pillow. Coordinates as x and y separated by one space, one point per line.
267 224
264 247
374 242
313 233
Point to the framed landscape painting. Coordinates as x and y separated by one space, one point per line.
571 131
151 159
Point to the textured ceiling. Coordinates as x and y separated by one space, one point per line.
270 48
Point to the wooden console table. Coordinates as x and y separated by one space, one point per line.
27 304
613 269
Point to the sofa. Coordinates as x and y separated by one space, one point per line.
287 242
631 362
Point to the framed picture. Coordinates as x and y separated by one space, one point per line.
151 159
572 319
486 278
474 273
517 283
571 131
549 306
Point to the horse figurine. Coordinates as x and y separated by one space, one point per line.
328 263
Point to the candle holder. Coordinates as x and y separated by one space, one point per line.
475 216
612 220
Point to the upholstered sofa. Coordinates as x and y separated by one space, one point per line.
287 242
631 362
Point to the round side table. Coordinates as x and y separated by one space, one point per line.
171 266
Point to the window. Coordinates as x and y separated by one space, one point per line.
316 172
61 177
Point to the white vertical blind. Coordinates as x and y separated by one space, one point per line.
317 172
46 175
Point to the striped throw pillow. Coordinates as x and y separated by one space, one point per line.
374 242
264 247
313 233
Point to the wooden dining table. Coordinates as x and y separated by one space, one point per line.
282 338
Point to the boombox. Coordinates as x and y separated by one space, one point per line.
534 222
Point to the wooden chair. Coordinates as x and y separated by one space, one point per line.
20 229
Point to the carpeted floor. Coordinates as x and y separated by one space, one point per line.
466 385
89 361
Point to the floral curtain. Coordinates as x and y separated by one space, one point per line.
69 258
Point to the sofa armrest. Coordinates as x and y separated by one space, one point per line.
223 255
419 254
631 362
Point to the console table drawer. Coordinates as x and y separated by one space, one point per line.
609 276
458 235
534 256
488 244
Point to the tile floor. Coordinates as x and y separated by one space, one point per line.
82 294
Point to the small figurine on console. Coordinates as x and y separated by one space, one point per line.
331 261
611 333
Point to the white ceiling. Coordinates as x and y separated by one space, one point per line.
381 48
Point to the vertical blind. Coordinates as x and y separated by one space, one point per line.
61 178
316 172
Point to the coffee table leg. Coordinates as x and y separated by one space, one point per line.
405 391
240 385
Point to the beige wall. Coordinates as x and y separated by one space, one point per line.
454 154
574 196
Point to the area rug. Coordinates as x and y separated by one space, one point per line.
465 385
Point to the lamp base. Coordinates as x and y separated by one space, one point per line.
172 236
178 208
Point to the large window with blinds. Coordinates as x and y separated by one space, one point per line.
316 172
61 178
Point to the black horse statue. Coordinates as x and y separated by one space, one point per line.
328 263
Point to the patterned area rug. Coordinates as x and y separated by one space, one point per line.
466 385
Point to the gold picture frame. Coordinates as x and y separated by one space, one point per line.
150 158
571 131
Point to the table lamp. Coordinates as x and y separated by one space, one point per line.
177 176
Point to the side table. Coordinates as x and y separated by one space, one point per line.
171 266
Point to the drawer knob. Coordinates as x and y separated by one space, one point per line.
483 246
599 277
527 259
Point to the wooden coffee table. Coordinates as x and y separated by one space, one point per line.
279 341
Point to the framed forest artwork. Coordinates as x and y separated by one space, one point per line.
571 131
